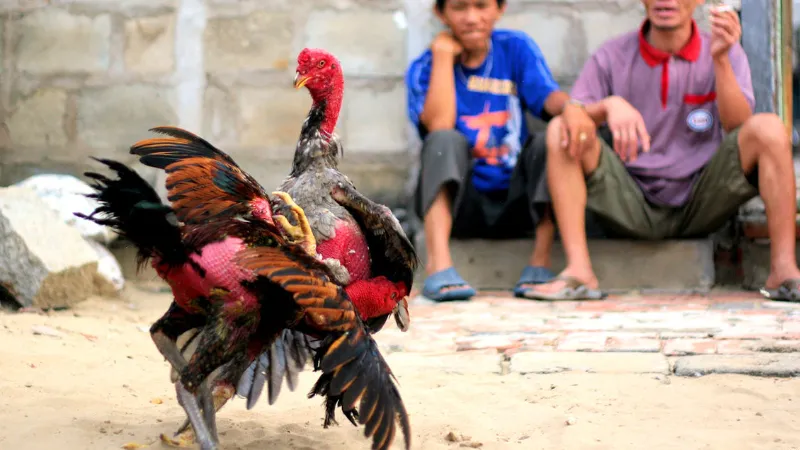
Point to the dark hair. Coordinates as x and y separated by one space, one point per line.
440 4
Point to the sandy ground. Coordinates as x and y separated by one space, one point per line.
100 384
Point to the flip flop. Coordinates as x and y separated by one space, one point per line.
788 291
532 275
435 284
574 290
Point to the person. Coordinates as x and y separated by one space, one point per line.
685 148
480 175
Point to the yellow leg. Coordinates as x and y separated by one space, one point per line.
301 233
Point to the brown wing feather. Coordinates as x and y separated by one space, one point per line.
353 369
204 184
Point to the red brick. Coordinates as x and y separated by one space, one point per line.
736 346
582 342
481 342
541 343
782 346
751 332
791 327
676 347
633 343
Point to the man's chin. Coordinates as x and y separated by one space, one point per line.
473 44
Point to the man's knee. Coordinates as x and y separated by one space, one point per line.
557 154
764 134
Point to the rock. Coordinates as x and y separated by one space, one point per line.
65 195
44 262
109 280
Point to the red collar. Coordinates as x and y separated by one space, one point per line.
653 56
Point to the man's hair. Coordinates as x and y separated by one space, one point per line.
440 4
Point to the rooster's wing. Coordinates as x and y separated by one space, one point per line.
352 367
204 184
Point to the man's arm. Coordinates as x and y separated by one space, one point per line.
439 109
735 99
593 87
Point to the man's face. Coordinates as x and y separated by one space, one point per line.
471 21
670 14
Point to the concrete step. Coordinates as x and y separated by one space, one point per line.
620 265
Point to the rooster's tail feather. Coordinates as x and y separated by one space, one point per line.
130 206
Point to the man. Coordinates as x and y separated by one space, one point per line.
466 95
687 148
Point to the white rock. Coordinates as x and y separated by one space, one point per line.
66 195
112 281
44 262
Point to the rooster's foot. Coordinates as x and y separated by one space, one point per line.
300 234
220 394
205 431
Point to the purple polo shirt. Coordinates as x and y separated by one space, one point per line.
676 97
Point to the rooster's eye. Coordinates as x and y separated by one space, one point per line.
321 64
394 295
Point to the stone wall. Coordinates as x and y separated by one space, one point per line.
89 77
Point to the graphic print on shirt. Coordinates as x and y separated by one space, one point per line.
487 147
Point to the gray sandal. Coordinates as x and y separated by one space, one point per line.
574 290
788 291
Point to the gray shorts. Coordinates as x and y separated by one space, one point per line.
446 161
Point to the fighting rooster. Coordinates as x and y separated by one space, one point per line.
360 239
242 274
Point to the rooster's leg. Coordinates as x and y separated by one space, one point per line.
300 234
192 408
184 436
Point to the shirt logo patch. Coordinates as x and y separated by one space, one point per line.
699 120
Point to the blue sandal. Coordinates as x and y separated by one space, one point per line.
434 286
532 275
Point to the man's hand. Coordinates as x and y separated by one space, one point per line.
627 128
444 43
725 31
579 132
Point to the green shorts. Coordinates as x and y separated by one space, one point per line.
623 210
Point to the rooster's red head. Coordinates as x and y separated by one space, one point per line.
319 71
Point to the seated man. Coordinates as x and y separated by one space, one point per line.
467 94
687 148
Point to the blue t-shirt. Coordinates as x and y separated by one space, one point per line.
490 102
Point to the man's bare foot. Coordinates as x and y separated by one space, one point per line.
568 285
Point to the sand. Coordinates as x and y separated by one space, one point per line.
100 384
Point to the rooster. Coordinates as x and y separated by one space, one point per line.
362 240
242 275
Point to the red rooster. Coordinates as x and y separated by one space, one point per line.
242 280
361 240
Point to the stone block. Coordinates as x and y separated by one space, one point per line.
368 43
375 120
150 44
620 265
49 40
38 120
260 40
756 364
551 33
115 117
272 117
44 262
602 25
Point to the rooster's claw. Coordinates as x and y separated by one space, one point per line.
300 234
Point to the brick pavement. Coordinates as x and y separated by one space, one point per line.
721 323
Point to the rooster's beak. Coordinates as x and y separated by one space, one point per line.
300 81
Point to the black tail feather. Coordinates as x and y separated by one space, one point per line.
353 369
132 208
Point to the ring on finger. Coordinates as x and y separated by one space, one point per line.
582 137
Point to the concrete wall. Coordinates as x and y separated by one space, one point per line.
89 77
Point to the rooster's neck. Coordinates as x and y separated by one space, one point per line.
317 143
